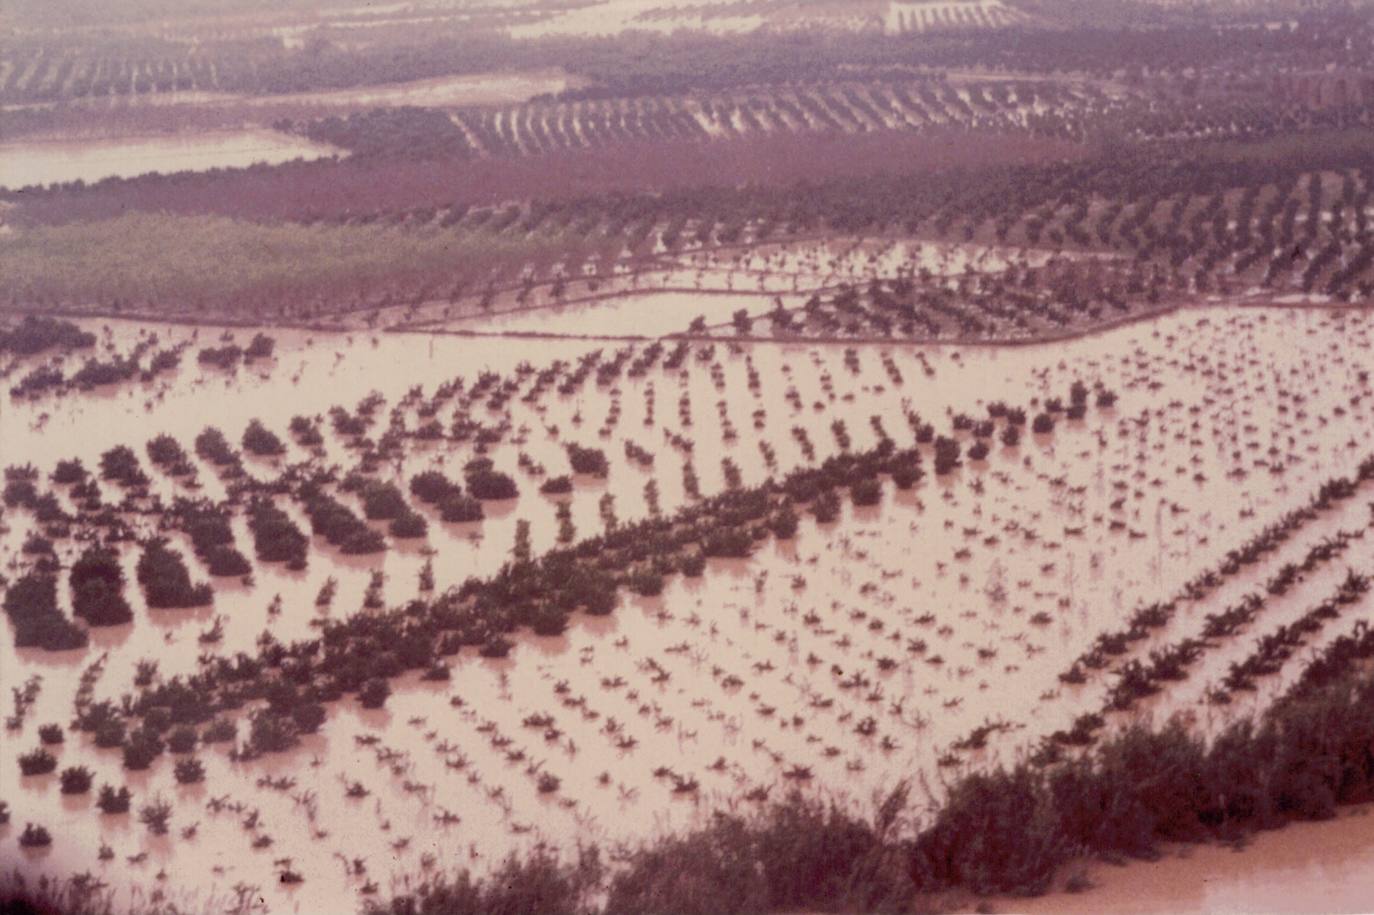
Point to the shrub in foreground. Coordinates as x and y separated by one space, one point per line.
459 509
1010 830
37 762
432 486
538 885
797 854
76 780
35 837
374 693
1005 831
165 580
97 582
114 801
491 485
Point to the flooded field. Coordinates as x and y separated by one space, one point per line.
661 293
445 91
864 650
649 314
495 88
43 162
686 457
605 18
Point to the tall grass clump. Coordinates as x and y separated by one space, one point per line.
797 853
540 884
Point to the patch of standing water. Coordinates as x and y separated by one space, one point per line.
647 314
1302 868
42 162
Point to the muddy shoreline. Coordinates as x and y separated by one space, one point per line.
323 327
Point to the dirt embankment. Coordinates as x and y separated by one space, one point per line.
328 188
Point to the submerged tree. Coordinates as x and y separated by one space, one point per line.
97 583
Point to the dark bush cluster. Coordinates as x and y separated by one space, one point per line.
165 580
211 445
31 605
113 801
261 347
259 440
35 334
433 487
97 582
383 501
306 432
457 508
1009 831
120 464
337 523
212 537
557 486
589 461
490 485
220 357
167 453
276 538
37 762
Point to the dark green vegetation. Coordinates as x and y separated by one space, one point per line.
433 487
166 582
35 335
360 653
589 461
1008 831
211 535
634 65
276 537
31 605
261 441
97 583
1204 151
1285 217
538 593
338 524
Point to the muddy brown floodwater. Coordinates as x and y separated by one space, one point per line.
1304 867
839 662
